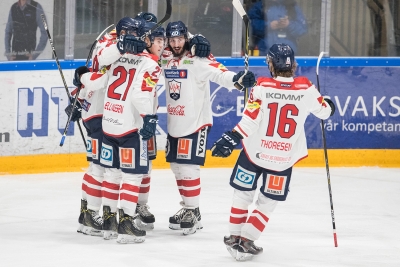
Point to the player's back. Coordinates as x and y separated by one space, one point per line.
280 106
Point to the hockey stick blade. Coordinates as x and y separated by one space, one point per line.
319 60
168 13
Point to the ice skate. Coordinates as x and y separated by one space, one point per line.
81 215
247 249
128 231
232 244
175 220
110 224
93 223
191 221
145 220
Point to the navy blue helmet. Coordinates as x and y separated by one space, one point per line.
146 26
147 16
176 28
129 25
282 57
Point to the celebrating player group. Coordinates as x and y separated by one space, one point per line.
118 106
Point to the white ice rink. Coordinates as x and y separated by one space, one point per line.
38 221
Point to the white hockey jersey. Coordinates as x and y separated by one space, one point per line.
92 99
187 82
273 121
130 92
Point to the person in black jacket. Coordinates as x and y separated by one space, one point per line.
20 35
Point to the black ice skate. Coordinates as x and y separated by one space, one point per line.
191 221
81 215
232 244
92 223
145 220
110 224
175 220
247 249
128 231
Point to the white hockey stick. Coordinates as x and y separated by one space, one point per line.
239 8
326 158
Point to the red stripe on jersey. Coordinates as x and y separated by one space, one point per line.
129 187
95 75
144 190
145 180
109 195
256 223
91 191
262 215
190 183
190 193
110 185
91 180
127 197
238 211
235 220
241 131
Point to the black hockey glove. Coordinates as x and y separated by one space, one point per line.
77 76
130 44
333 107
76 111
200 46
223 147
243 80
149 127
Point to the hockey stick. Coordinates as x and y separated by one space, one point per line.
239 8
164 19
326 158
79 89
59 68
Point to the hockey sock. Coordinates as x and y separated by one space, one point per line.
94 185
84 186
175 169
110 188
190 184
129 192
239 210
145 187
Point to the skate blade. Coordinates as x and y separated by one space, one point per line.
130 239
240 256
173 226
189 231
144 226
232 251
80 229
87 230
107 235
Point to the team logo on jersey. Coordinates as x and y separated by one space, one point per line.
86 105
127 158
151 146
275 185
176 74
174 89
219 66
188 62
201 143
244 178
286 85
106 156
184 149
95 152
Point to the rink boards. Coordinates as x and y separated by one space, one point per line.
365 130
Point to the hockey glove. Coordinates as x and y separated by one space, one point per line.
223 147
76 111
330 103
244 80
149 127
200 46
77 76
130 44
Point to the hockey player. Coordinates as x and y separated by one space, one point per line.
189 116
130 104
91 111
273 138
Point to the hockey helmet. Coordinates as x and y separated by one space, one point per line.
147 26
282 57
147 16
129 25
176 28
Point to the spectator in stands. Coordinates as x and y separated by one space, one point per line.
276 21
20 35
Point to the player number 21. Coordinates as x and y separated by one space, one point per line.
286 126
123 75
